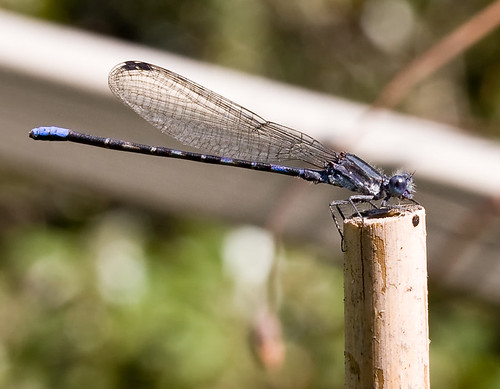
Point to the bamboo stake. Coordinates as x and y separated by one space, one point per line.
385 283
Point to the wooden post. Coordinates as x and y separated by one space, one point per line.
385 284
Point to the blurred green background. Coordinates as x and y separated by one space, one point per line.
97 293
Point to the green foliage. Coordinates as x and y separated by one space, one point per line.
119 298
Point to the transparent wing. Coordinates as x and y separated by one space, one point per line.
207 121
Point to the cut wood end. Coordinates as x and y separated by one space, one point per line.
382 215
386 229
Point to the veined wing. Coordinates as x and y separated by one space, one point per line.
203 119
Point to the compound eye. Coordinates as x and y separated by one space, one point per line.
397 185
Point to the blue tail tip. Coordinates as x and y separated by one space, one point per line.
48 133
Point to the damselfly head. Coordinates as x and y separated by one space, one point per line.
401 186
